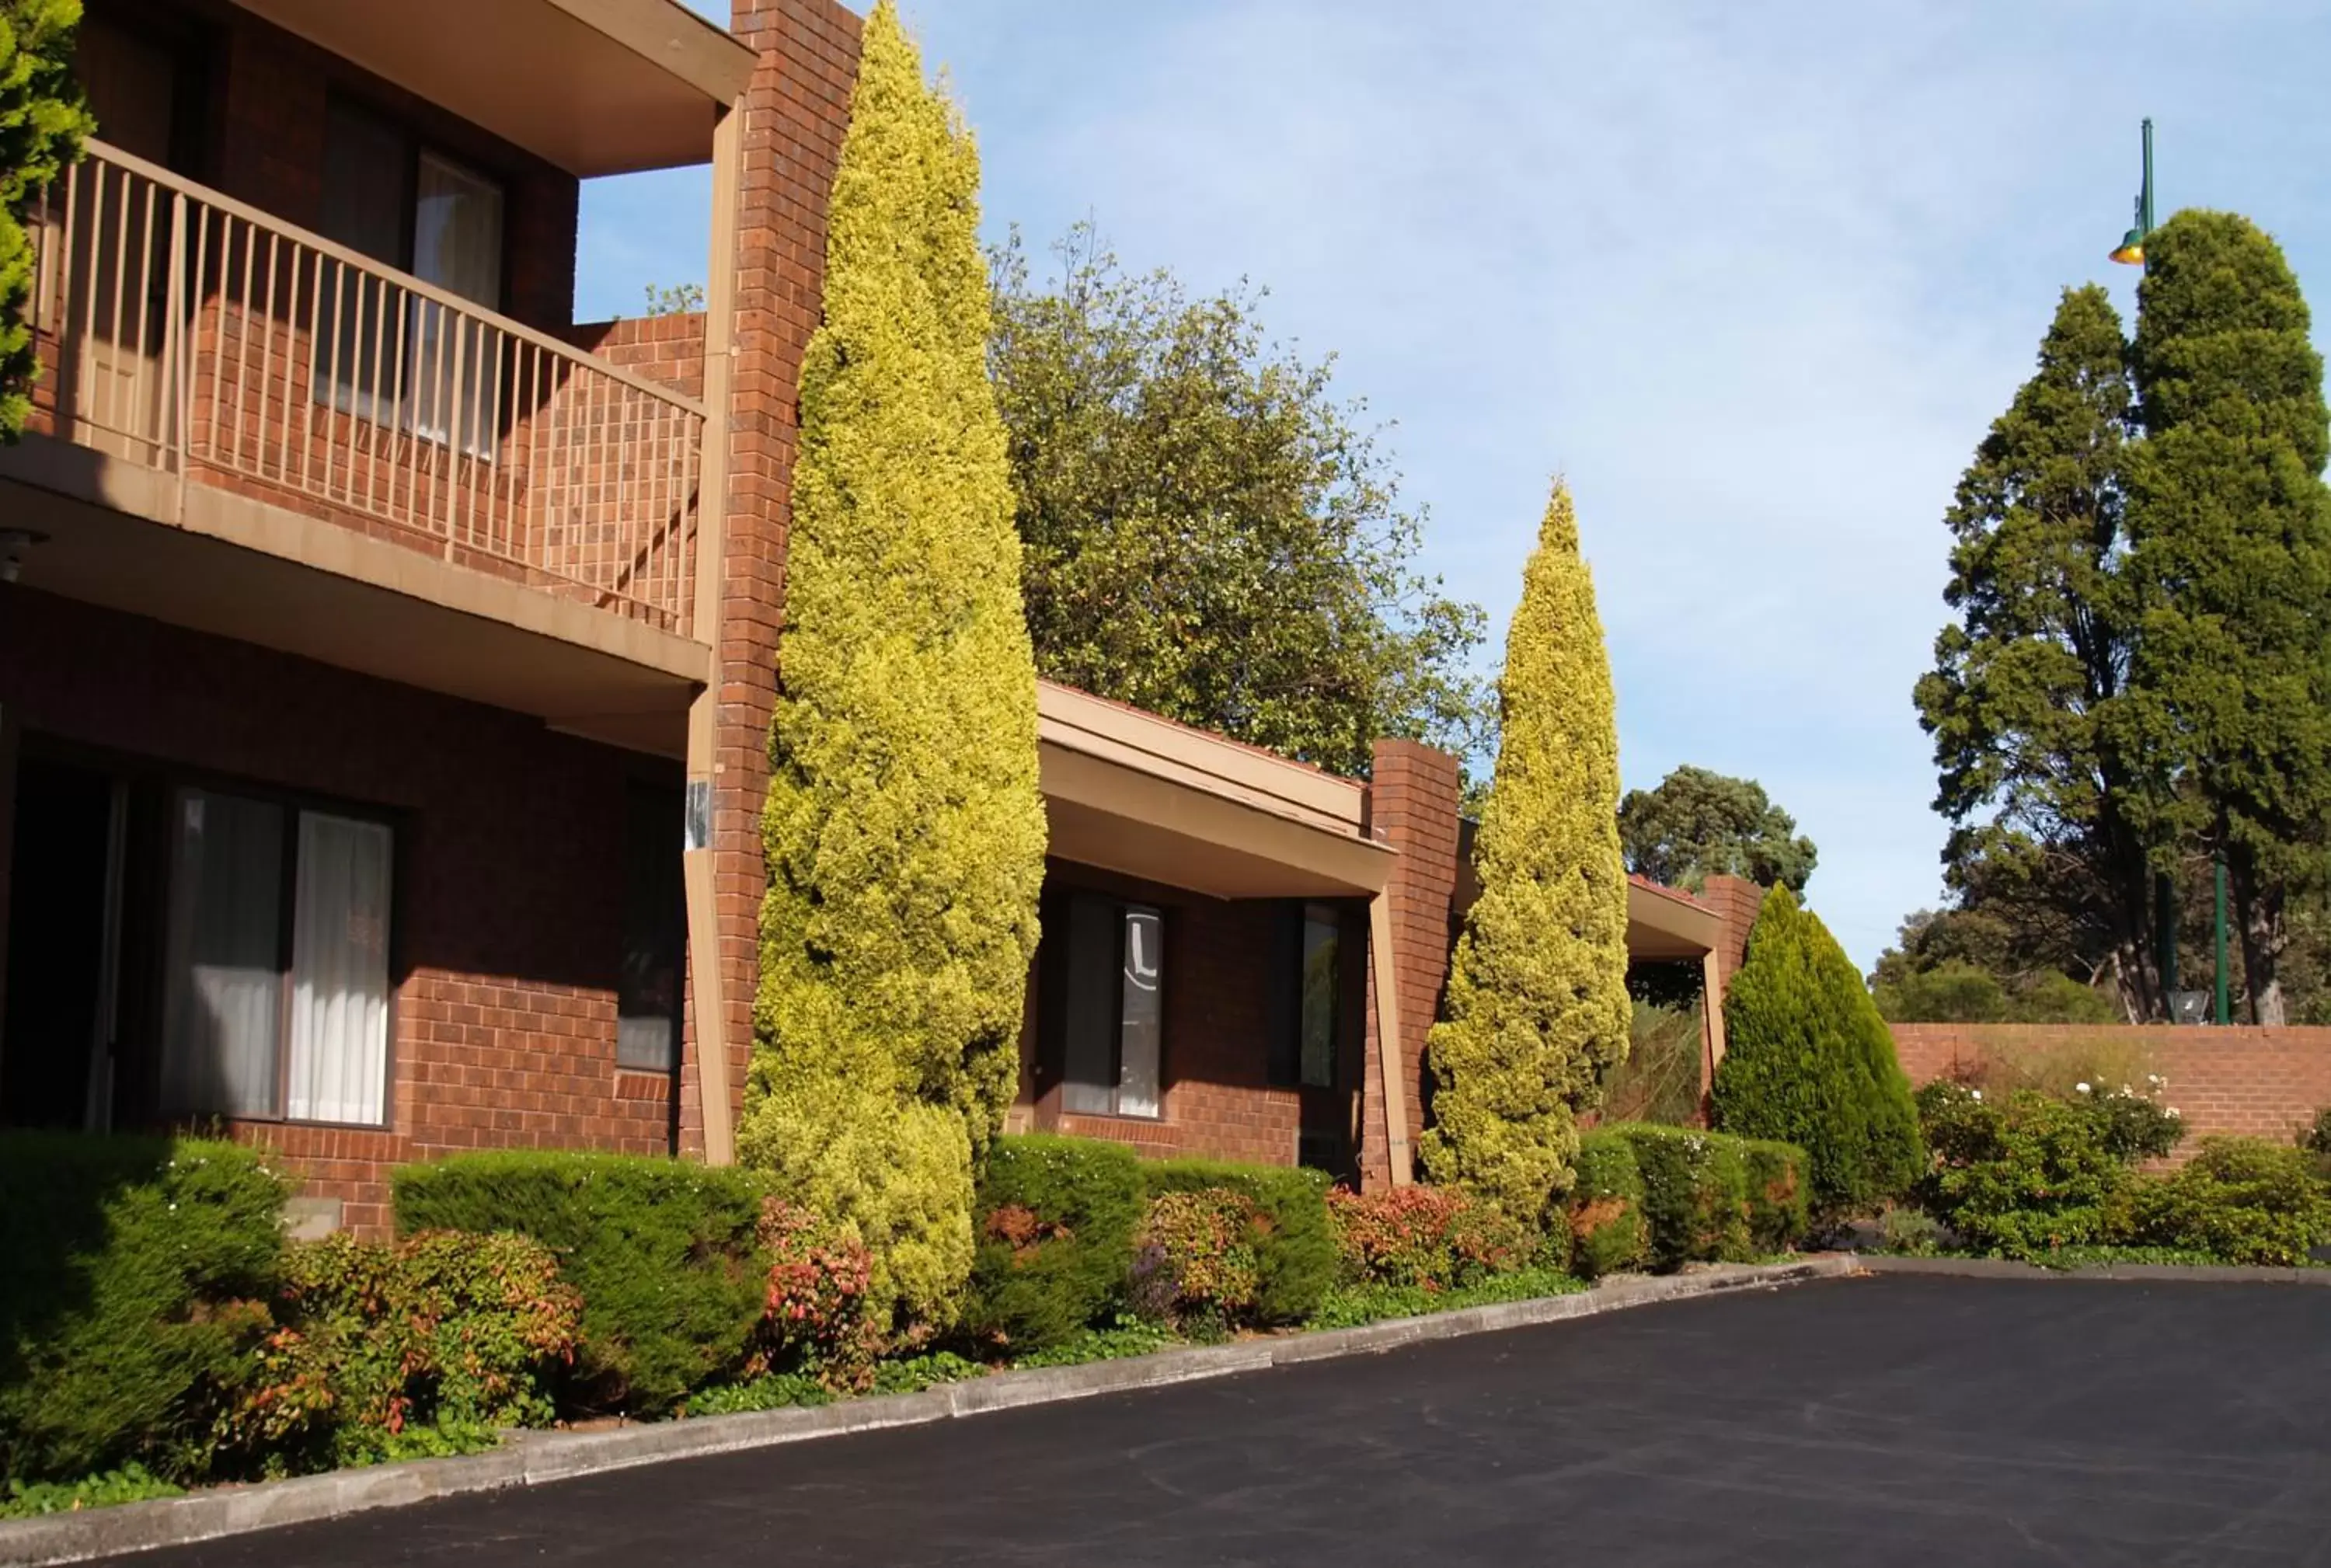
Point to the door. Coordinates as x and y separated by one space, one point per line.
63 947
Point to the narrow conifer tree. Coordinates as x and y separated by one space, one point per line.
41 123
1537 991
1809 1061
903 830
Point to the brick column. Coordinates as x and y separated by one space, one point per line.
1413 801
795 112
1735 901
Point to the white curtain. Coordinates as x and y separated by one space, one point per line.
457 245
339 972
1139 1034
224 998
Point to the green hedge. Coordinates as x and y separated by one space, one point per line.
134 1279
1054 1226
1297 1251
664 1252
1695 1193
2239 1199
1780 1193
1608 1234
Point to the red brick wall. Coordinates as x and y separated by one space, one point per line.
1738 900
796 113
2248 1081
507 926
668 349
1413 805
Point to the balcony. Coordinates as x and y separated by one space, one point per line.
346 462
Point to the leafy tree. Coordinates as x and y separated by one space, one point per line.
2227 714
1538 1006
42 124
2026 676
903 831
1207 532
1699 824
1809 1061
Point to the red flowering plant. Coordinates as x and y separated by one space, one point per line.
817 1318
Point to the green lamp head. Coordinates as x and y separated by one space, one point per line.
2131 249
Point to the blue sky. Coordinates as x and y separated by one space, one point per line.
1755 278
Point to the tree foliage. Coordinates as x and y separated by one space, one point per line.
1699 824
903 831
2228 718
1537 1005
1808 1060
2025 678
1208 534
42 124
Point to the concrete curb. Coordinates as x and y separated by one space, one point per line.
536 1459
2158 1273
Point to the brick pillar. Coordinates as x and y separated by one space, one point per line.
795 112
1413 801
1735 901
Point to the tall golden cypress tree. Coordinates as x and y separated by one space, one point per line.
1537 993
903 830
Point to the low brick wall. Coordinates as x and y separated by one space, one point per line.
2254 1082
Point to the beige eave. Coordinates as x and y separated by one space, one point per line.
1131 792
1663 926
596 87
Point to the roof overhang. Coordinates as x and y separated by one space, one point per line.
596 87
1140 795
1665 925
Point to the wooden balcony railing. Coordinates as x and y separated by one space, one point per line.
187 332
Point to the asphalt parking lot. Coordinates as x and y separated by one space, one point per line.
1888 1421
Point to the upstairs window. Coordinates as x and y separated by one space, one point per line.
380 353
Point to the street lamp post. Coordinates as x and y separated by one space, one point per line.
2132 244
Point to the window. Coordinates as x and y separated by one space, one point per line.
409 207
1114 1007
647 989
265 1016
1320 979
1307 992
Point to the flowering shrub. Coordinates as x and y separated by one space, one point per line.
1294 1243
419 1347
2024 1175
2132 1124
1695 1193
1604 1210
816 1318
2316 1137
1196 1261
1431 1237
2239 1199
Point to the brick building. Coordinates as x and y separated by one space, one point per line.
387 659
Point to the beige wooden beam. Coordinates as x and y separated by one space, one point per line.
713 1089
1390 1060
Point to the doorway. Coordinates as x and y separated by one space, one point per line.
64 944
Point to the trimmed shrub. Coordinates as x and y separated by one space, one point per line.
1198 1259
1809 1061
1695 1193
1056 1218
815 1318
1608 1234
1538 1007
394 1352
665 1253
2239 1199
1296 1245
1430 1239
133 1300
1779 1196
2024 1175
903 829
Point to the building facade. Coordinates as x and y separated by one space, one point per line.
387 659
